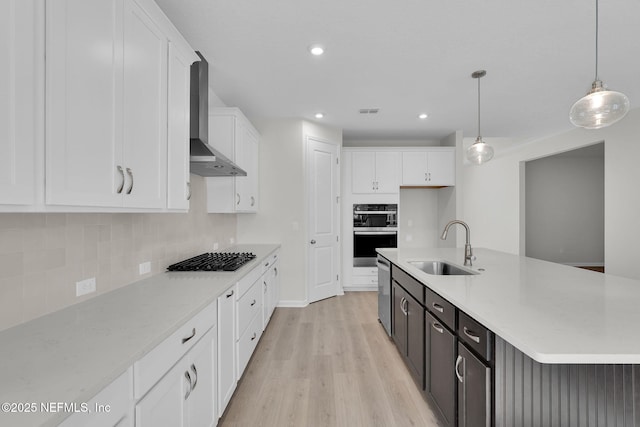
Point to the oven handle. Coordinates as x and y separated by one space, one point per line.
375 233
382 265
374 212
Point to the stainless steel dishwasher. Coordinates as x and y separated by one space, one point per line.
384 293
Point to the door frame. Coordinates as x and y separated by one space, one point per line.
337 210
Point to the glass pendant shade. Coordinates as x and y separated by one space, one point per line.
479 152
599 108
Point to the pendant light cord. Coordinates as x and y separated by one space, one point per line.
479 136
597 78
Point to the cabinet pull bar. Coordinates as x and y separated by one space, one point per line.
459 360
438 307
253 337
230 295
119 190
130 173
238 195
195 376
193 334
189 189
253 303
188 377
253 201
471 335
438 327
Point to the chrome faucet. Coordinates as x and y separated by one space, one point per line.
468 253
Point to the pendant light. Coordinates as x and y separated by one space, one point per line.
600 107
479 152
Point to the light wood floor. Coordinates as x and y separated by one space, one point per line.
329 364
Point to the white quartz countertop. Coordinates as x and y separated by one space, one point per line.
551 312
70 355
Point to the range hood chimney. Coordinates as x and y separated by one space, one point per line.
204 159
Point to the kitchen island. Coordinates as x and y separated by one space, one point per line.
566 350
53 365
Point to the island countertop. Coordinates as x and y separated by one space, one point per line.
551 312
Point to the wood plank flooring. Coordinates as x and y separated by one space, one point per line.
328 364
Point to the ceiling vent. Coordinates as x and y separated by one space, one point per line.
369 110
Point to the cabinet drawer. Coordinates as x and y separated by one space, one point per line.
365 271
248 280
248 306
441 308
271 259
475 335
248 342
365 280
152 366
415 288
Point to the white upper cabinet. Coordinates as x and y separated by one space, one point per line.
375 172
429 168
179 187
21 108
231 133
107 87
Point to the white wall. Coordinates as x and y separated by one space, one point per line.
282 213
418 218
492 192
564 213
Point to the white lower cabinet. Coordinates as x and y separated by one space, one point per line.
226 348
249 317
271 291
185 395
111 407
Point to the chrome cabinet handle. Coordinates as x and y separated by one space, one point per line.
230 295
119 190
459 360
265 287
253 201
426 178
193 334
429 176
189 191
238 196
275 271
471 335
253 337
195 376
313 242
438 327
438 307
253 303
266 264
130 173
188 377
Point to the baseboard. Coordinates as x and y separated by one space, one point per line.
584 264
293 303
361 288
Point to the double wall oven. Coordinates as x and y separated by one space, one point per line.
374 226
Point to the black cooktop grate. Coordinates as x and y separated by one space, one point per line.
213 261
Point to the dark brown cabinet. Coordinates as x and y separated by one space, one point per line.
440 383
474 389
408 331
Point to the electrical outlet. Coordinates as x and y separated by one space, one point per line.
215 246
144 268
86 286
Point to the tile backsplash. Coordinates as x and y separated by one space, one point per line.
43 255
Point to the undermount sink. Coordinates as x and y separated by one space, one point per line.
441 268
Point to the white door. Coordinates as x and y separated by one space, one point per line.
387 172
322 191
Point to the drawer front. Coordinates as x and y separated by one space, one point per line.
475 335
248 342
152 366
364 280
248 280
269 261
365 271
441 308
248 306
415 288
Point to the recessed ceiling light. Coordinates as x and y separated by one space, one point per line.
316 49
319 115
422 116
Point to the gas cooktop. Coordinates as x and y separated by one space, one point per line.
213 261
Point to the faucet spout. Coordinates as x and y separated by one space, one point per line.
468 252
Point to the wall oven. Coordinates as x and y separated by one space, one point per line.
374 226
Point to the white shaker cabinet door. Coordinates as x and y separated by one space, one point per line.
20 116
387 172
83 99
145 110
179 187
226 348
247 159
442 168
363 172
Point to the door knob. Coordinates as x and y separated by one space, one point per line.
313 242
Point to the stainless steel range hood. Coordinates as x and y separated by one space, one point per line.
204 159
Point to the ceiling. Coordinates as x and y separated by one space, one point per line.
414 56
